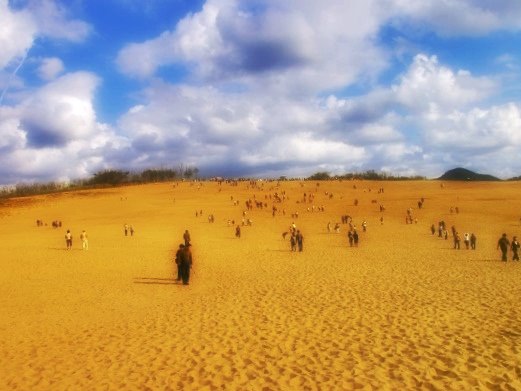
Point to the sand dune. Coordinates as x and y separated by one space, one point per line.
404 310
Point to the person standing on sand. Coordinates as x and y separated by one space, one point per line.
473 240
238 231
457 240
125 227
131 228
68 239
84 240
515 249
186 263
178 261
466 240
355 237
186 237
503 243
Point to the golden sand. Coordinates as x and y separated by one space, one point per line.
402 311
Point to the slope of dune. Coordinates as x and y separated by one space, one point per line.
403 310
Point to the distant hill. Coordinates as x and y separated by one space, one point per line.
462 174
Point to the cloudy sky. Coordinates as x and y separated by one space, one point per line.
259 87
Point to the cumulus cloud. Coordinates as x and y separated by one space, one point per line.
427 83
61 111
458 17
50 68
16 34
426 120
41 18
288 44
267 92
53 21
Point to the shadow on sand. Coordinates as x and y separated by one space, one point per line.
156 281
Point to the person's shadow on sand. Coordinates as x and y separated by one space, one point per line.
157 281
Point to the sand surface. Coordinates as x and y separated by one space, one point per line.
403 311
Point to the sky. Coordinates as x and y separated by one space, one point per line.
259 88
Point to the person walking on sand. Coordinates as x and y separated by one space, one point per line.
186 237
84 240
68 239
178 261
238 231
125 228
503 243
186 262
515 249
300 241
293 241
355 237
457 240
131 228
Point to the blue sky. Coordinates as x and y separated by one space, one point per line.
259 88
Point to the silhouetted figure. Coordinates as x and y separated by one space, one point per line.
186 262
300 241
503 244
515 249
178 261
186 237
68 239
457 240
473 241
84 240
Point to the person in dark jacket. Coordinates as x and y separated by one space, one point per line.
300 241
515 249
178 261
503 243
186 262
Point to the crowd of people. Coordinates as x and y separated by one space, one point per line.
184 258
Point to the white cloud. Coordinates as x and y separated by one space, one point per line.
17 32
41 18
287 46
491 129
459 17
50 68
54 134
253 101
11 136
427 84
53 21
60 111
